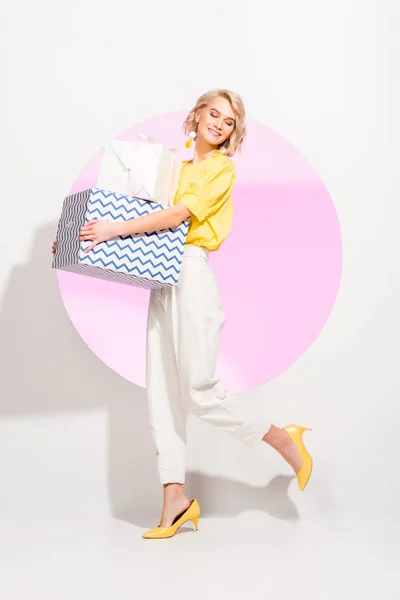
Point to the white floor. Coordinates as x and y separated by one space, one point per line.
252 556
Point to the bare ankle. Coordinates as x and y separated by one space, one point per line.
275 437
173 491
281 441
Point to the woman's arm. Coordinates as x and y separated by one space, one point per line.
101 231
156 221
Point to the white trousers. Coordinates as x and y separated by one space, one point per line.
183 327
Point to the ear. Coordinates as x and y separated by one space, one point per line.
197 116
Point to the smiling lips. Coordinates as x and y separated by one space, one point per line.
214 133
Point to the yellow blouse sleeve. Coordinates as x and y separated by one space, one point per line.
205 195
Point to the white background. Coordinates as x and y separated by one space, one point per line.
74 437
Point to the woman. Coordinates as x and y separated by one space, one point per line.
184 321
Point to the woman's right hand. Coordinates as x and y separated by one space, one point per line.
54 247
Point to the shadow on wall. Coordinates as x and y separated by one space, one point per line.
46 367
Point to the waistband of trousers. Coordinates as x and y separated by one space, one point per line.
190 250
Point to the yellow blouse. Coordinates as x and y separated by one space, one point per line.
205 188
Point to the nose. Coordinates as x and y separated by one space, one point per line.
218 124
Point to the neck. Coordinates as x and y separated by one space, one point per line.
203 150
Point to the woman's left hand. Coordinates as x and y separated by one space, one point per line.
98 231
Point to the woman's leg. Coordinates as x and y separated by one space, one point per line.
167 414
278 439
200 320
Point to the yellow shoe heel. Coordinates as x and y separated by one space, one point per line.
296 434
192 513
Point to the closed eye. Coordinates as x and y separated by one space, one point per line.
215 115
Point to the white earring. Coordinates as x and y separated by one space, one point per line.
223 149
192 136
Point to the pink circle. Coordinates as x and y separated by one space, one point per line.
278 272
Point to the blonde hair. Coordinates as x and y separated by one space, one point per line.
236 139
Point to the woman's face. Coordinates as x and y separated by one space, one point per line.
216 122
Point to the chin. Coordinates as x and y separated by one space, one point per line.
213 142
210 139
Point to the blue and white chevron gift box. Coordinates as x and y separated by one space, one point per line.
150 260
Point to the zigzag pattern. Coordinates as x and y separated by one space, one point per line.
147 273
121 202
145 243
71 220
127 253
150 260
124 208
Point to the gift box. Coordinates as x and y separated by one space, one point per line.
140 169
151 260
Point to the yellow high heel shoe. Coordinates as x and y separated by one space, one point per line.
296 433
192 513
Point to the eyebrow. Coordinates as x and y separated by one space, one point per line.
216 110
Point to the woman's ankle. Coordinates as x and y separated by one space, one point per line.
174 491
281 441
275 437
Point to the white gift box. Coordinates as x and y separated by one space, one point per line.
140 169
